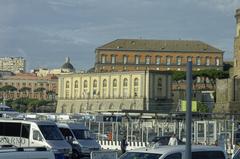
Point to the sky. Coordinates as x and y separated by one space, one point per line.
44 32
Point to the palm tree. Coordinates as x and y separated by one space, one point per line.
8 89
25 90
40 90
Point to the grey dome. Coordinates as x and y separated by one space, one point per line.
67 65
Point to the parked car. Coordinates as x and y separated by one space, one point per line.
23 133
79 137
163 140
176 152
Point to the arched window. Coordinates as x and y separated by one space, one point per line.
217 61
147 60
114 83
207 61
85 84
76 84
95 83
136 82
125 82
67 84
104 83
159 83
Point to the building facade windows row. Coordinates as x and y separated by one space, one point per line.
169 60
104 83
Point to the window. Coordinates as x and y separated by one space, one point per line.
10 129
125 59
207 61
104 83
125 82
147 60
25 130
50 132
159 84
140 155
113 59
95 83
158 60
217 61
37 136
76 84
114 83
137 60
85 84
66 133
168 60
136 81
179 60
103 59
208 155
125 87
189 58
115 92
174 156
198 60
67 84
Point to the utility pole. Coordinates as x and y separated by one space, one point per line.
189 111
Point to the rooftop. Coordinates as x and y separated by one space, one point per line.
159 46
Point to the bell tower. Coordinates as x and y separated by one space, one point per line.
237 45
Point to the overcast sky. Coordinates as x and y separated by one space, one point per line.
44 32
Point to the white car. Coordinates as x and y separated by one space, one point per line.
176 152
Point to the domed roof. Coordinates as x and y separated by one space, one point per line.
67 65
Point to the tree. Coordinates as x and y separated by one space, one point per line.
178 76
5 90
25 90
40 90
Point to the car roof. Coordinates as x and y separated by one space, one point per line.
72 126
177 148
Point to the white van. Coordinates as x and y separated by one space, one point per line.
26 153
22 133
176 152
79 137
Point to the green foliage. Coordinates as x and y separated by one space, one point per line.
25 89
27 104
178 75
40 89
202 108
8 88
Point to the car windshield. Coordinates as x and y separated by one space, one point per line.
50 132
139 155
81 134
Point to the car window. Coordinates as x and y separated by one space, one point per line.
208 155
237 155
37 135
174 156
139 155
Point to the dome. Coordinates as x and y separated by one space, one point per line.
68 65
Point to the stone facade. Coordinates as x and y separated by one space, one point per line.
228 95
237 45
228 90
101 92
13 64
136 54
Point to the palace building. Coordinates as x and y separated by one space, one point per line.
132 90
162 55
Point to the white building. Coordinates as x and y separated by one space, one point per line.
13 64
115 91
